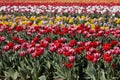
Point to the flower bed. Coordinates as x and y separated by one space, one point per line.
60 9
53 42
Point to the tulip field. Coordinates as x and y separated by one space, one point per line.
60 42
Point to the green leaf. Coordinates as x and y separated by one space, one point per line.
102 75
48 64
14 76
85 77
42 78
91 71
59 77
22 73
11 73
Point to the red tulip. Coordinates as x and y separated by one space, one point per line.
73 34
114 66
106 46
114 42
34 55
69 65
78 50
22 53
53 49
48 30
17 47
39 51
95 60
21 40
71 58
68 53
36 39
19 28
108 57
87 48
60 51
15 38
2 38
97 55
72 43
90 57
6 48
31 50
48 39
58 45
11 45
62 40
43 43
24 45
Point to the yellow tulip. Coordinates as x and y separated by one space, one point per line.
61 25
51 23
92 26
92 20
84 17
44 17
1 22
8 16
17 20
64 17
102 27
37 18
40 23
25 18
58 17
32 18
118 21
25 22
4 17
1 16
87 23
70 20
106 28
5 23
11 24
79 18
34 25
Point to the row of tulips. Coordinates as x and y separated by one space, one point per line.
105 21
60 9
76 52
